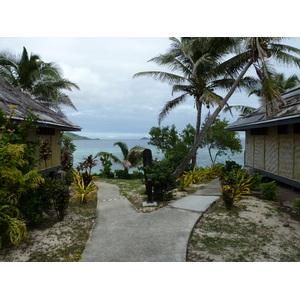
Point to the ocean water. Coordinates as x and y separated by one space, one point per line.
84 148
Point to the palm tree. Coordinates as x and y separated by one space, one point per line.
257 52
195 59
282 84
132 157
43 81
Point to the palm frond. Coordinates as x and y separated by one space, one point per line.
123 148
242 109
162 76
171 105
114 158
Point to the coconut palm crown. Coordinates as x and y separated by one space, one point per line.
132 157
43 81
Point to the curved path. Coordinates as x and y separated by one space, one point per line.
122 234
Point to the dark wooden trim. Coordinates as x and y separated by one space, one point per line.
50 170
285 180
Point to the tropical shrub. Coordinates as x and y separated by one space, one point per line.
190 177
60 197
17 175
67 158
163 181
235 183
52 193
81 190
256 180
198 174
122 174
107 160
12 227
269 190
85 169
137 174
45 151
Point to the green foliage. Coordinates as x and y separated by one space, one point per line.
67 158
256 180
81 190
198 174
42 80
85 169
12 227
52 193
235 183
296 205
122 174
220 140
132 157
106 160
269 190
173 145
162 180
59 196
45 151
17 175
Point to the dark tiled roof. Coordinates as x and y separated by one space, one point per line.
46 117
289 113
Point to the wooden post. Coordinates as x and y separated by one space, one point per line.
147 163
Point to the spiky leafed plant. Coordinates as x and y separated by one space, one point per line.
257 52
192 62
132 157
42 80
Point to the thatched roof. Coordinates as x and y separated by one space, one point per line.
46 117
289 113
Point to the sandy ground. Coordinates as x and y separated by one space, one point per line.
255 230
61 241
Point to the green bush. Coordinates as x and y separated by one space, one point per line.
60 197
17 175
53 193
269 190
122 174
163 181
85 169
137 174
12 227
256 180
235 183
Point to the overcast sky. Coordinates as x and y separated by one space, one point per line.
110 103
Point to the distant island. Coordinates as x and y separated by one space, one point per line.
74 136
144 138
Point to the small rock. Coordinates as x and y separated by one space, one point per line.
286 224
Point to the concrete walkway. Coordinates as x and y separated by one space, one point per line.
122 234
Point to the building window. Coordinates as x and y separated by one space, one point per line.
45 131
259 131
282 129
297 128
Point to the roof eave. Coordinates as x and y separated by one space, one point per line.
266 123
52 125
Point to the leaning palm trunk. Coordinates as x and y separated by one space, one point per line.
210 121
199 110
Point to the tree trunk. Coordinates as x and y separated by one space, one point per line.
210 121
198 124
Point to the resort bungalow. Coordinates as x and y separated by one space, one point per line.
273 144
50 123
